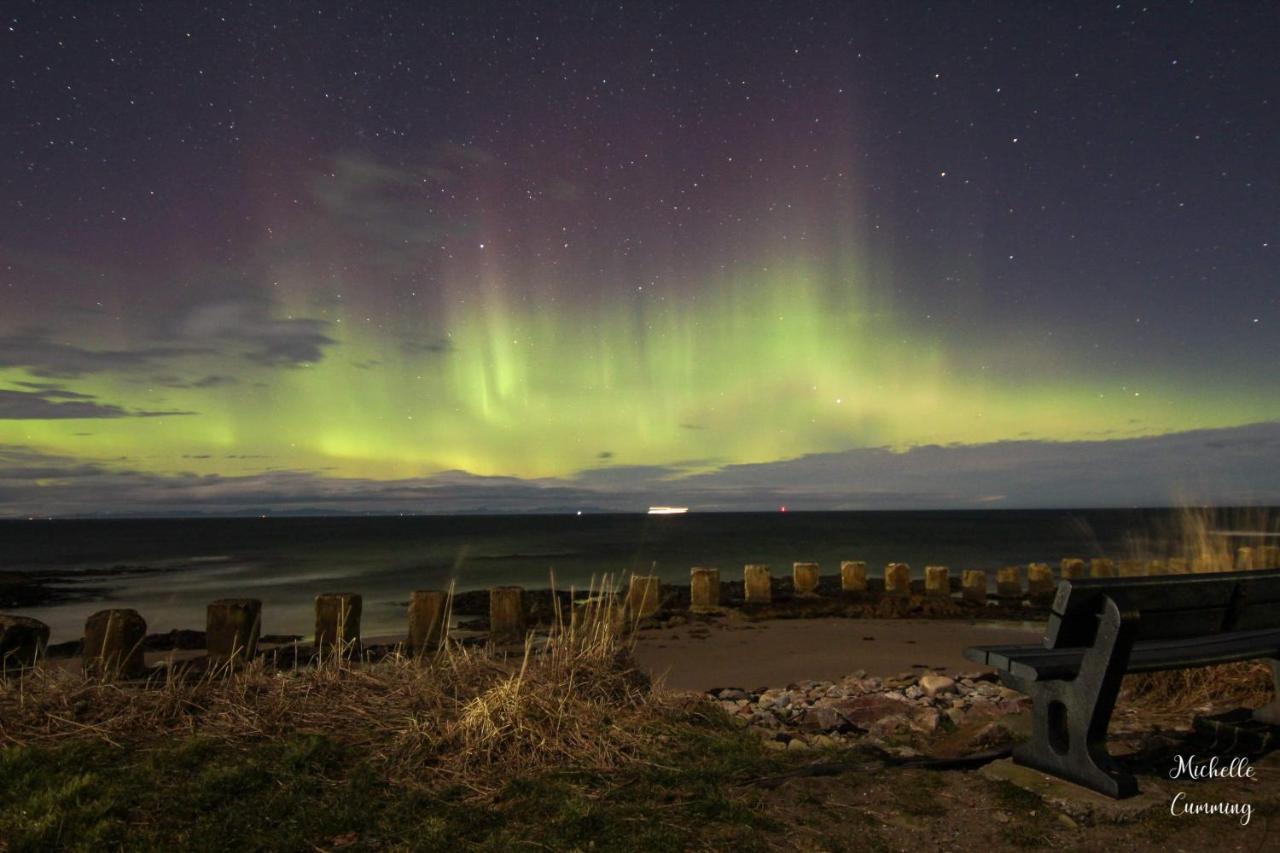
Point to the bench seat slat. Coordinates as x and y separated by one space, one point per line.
1035 663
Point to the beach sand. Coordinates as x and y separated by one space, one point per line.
779 652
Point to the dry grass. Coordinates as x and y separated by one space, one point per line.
572 698
1201 539
1246 684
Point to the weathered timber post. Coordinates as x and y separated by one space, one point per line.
644 597
1040 582
1156 567
704 589
1269 557
805 578
1009 582
113 644
426 619
1072 568
1206 564
973 582
338 623
757 587
897 579
1101 567
853 576
1178 566
1244 559
937 581
231 629
22 642
1132 569
506 614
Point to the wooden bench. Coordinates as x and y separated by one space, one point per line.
1102 628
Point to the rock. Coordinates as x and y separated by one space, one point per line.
776 745
724 693
865 710
796 745
926 721
891 726
934 685
821 718
823 742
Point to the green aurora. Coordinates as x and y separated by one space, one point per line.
788 360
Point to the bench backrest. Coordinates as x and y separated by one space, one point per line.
1169 606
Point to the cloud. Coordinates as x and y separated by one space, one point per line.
51 402
209 381
396 207
245 317
1223 466
34 350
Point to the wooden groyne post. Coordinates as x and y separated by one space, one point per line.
231 629
506 613
338 623
704 589
805 578
22 642
757 586
113 644
427 608
853 576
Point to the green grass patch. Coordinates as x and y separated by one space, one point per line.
306 791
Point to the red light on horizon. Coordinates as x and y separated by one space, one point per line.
782 509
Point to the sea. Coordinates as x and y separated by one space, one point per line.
170 569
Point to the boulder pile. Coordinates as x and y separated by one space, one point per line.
903 710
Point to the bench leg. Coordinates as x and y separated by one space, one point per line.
1069 718
1270 712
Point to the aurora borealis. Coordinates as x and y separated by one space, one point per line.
372 256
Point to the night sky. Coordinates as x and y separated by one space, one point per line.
533 256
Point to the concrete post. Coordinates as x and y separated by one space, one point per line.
22 642
974 585
1040 582
231 629
1072 568
756 586
113 644
506 614
644 596
1132 569
1101 567
805 578
704 590
937 581
853 576
897 579
427 608
338 623
1009 582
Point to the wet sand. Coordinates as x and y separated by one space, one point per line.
779 652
